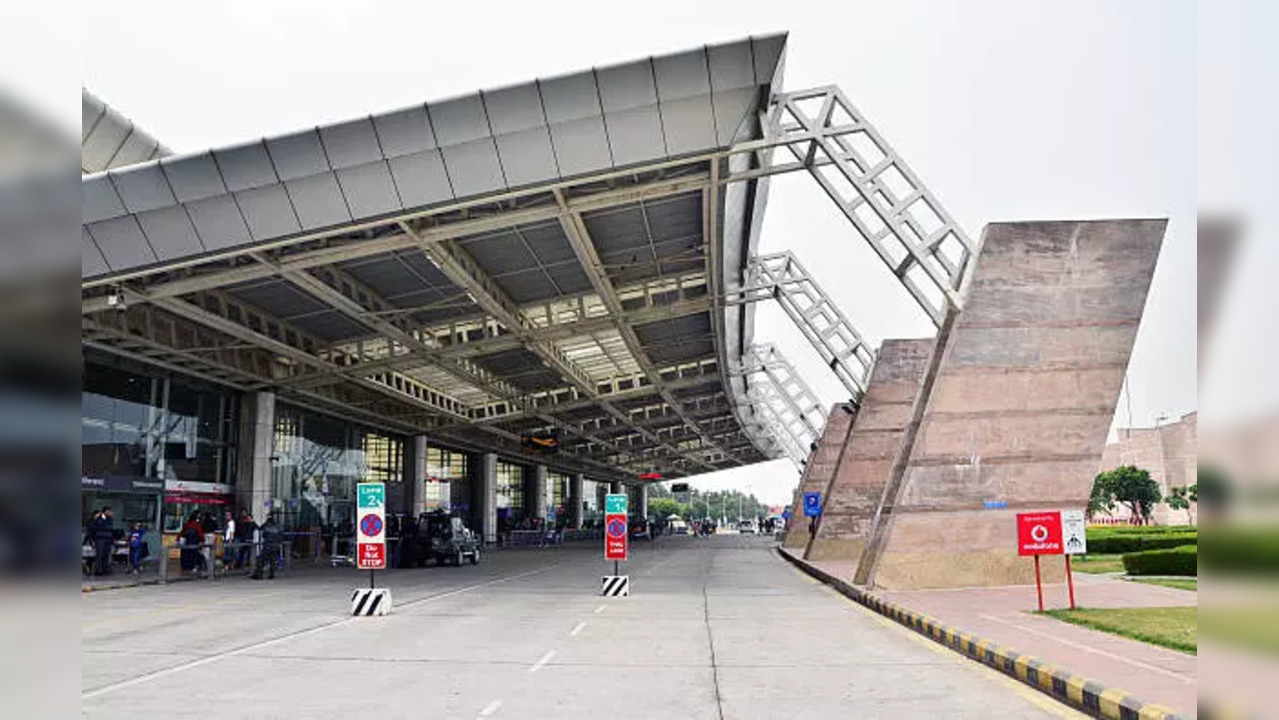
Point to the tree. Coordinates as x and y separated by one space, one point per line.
665 507
1129 486
1183 498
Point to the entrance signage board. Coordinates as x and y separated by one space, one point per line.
370 526
615 527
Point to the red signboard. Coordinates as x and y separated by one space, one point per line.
650 476
615 537
1039 533
371 556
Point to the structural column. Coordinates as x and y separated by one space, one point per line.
537 488
486 496
575 500
257 443
641 501
415 476
615 487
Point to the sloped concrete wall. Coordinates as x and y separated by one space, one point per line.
858 482
1023 398
817 474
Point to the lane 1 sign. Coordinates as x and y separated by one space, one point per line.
615 529
370 546
1039 533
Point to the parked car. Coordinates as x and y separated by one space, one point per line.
678 527
446 540
641 529
746 527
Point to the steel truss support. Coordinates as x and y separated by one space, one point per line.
785 408
824 134
781 276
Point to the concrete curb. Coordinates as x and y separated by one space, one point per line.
1083 694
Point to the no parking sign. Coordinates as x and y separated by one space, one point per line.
615 527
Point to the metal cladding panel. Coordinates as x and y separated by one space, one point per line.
526 286
616 230
459 120
732 66
277 297
122 242
732 108
581 146
318 201
388 276
569 278
514 108
351 143
267 211
635 135
104 140
171 233
499 253
548 242
332 326
688 124
245 166
218 221
91 260
101 201
138 147
767 52
193 177
627 86
571 97
91 110
527 156
421 178
298 155
683 75
143 188
369 190
473 167
404 132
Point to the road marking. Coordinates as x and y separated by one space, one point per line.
490 708
577 629
165 672
542 663
600 609
1080 646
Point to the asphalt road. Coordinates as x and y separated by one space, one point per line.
717 628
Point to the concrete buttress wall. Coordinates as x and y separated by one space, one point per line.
1022 401
817 473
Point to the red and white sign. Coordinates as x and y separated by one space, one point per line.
615 537
370 526
371 556
1039 533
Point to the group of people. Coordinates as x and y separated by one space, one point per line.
100 539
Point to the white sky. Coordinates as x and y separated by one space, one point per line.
1007 110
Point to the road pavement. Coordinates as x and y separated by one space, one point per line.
717 628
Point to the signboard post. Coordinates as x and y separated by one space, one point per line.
1075 542
370 547
615 544
1039 533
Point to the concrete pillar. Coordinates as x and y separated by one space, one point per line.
641 501
486 497
415 474
615 487
576 513
1016 407
537 486
257 445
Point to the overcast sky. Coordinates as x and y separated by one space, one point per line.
1007 110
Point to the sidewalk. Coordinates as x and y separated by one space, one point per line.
1005 615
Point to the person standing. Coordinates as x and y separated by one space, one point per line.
137 547
103 535
228 539
245 528
270 549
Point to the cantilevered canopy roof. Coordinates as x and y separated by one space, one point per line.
542 257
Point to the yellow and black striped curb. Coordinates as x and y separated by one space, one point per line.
1081 693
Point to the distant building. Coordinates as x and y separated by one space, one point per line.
1168 451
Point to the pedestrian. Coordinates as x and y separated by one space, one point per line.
137 547
192 537
270 549
245 529
228 539
102 535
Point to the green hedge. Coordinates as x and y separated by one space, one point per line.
1242 550
1174 561
1103 530
1110 544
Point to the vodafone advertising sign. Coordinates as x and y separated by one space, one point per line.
1039 533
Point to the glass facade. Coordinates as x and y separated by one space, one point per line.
510 491
557 495
317 462
444 468
593 502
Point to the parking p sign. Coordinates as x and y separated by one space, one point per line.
812 504
370 526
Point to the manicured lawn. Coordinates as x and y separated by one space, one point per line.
1171 627
1249 627
1191 584
1098 563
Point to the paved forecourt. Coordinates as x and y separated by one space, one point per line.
717 627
